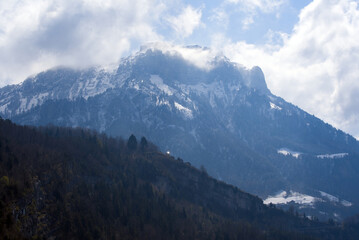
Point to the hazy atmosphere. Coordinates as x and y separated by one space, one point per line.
308 50
178 119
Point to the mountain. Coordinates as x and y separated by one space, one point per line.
210 112
63 183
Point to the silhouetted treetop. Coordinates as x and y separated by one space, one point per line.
143 143
132 142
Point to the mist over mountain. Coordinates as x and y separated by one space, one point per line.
208 111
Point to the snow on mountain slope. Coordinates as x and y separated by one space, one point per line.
206 110
158 82
72 84
285 197
319 203
187 112
334 199
335 155
288 152
273 106
64 84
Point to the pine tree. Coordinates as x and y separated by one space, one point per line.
143 143
132 142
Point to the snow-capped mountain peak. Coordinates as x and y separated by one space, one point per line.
180 70
198 105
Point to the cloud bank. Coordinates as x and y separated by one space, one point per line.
39 34
185 23
251 8
317 66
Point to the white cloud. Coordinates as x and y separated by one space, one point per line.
262 5
251 8
201 57
185 23
39 34
220 16
317 67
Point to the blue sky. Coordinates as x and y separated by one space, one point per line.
281 18
308 50
229 18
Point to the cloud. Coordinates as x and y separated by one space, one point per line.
317 67
262 5
39 34
220 16
185 23
251 8
201 57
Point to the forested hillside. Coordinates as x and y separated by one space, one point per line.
224 118
64 183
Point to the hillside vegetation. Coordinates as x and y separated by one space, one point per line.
63 183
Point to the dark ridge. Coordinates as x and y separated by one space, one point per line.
65 183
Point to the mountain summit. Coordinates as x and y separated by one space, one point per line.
209 111
193 66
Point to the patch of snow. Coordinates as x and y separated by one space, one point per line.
158 81
285 197
78 90
346 203
273 106
87 87
214 89
335 155
187 112
329 197
36 100
334 199
135 86
23 103
26 105
286 152
96 86
4 107
160 102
